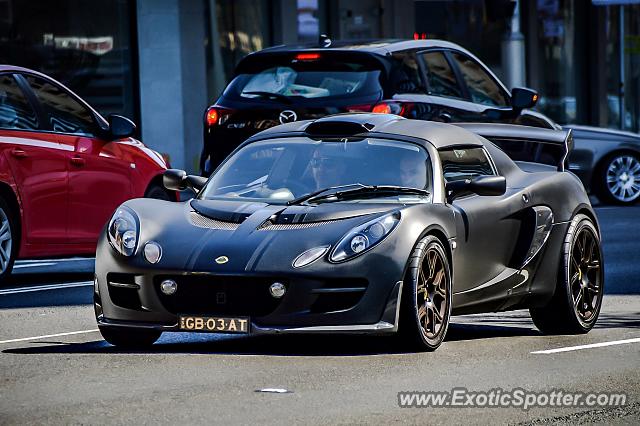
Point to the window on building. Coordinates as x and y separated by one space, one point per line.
15 110
86 47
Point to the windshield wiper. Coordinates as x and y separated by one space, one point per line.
270 95
341 194
313 194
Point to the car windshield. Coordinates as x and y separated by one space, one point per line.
281 170
321 77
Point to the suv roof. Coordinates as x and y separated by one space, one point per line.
440 135
380 47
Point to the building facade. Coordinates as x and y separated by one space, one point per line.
161 62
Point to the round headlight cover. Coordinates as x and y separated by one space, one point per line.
123 231
152 252
364 237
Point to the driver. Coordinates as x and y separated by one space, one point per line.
327 168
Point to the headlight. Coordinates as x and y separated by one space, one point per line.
363 237
123 231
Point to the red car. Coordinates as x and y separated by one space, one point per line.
63 169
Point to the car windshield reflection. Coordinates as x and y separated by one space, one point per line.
283 170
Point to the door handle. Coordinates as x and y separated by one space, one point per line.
18 153
77 161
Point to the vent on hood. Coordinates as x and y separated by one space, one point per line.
206 222
268 225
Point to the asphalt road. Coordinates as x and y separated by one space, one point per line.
55 368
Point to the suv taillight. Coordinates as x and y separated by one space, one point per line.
401 108
359 108
216 116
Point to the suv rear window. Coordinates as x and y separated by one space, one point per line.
314 75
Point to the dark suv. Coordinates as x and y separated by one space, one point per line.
424 79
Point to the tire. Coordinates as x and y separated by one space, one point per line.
9 239
617 179
129 338
159 193
576 303
424 314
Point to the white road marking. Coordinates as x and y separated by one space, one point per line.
271 390
25 339
590 346
45 287
33 265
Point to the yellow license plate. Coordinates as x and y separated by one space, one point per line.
213 324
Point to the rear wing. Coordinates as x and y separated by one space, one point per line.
524 143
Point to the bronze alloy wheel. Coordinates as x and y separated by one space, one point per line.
426 301
431 294
575 305
584 270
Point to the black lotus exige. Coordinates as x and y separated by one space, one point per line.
357 223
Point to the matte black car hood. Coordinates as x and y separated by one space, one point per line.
194 234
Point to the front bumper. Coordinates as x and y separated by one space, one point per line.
387 324
127 294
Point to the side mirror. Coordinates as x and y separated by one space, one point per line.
120 127
522 97
178 180
481 185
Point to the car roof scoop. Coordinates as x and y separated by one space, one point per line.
348 125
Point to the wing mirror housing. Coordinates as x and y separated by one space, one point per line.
178 180
481 185
120 127
523 97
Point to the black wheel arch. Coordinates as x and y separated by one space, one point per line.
587 211
440 234
157 181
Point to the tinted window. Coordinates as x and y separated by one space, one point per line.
15 110
405 77
316 77
65 114
482 88
442 81
465 163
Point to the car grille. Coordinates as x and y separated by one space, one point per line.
219 295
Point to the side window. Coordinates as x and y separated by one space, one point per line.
465 163
65 114
442 81
15 110
405 76
482 88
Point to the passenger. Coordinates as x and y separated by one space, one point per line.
413 171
